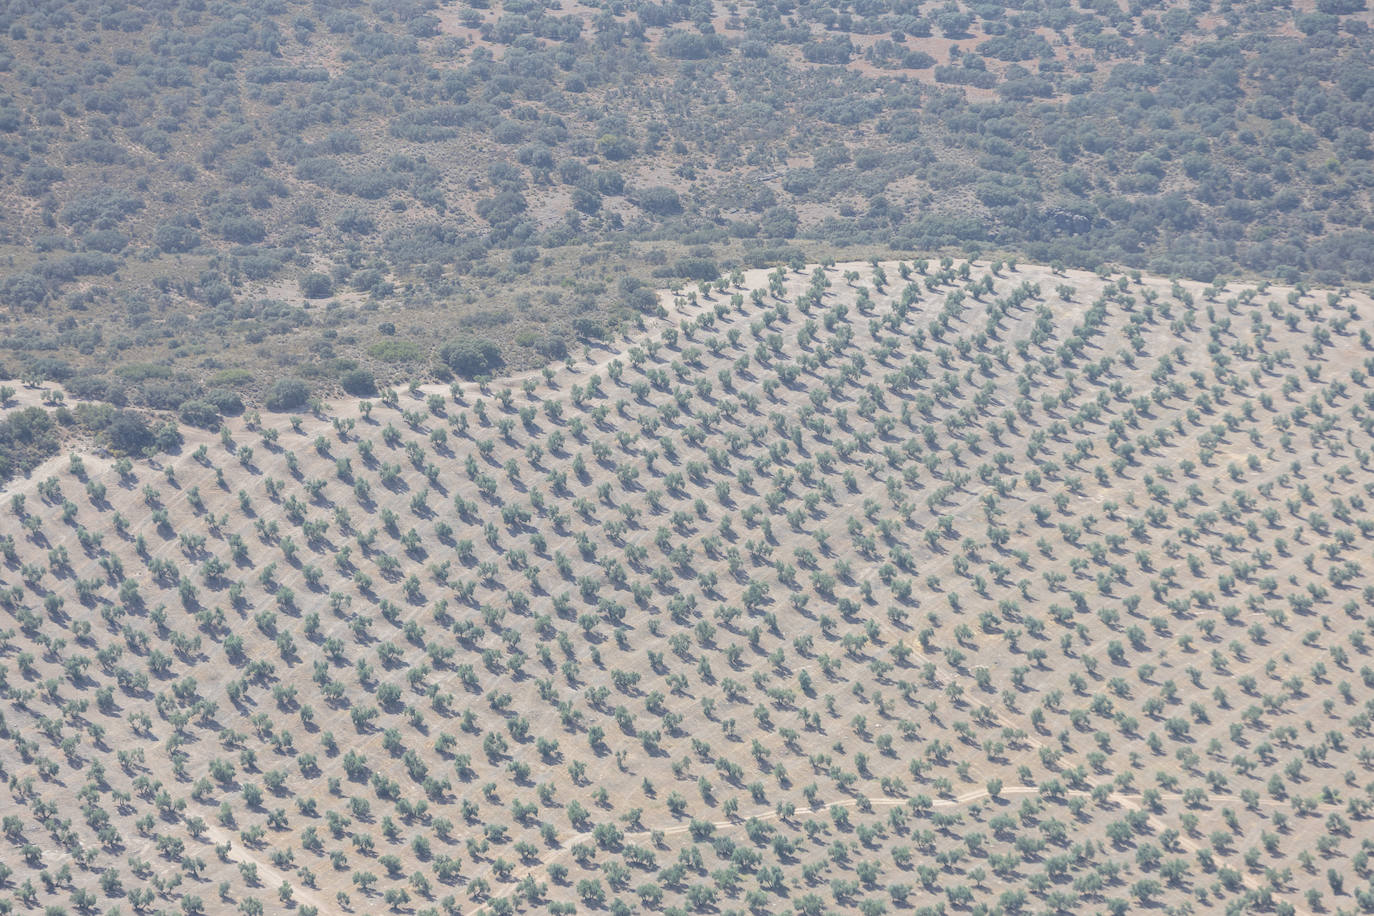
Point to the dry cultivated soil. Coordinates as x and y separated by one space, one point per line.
907 588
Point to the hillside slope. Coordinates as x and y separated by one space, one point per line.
197 198
875 587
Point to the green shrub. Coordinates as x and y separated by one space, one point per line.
110 241
95 416
28 437
225 401
141 372
639 295
175 239
200 413
231 378
96 388
838 50
693 269
23 291
359 383
470 356
242 229
167 437
356 222
317 286
129 433
660 201
683 45
286 394
394 351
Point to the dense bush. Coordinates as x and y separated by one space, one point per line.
317 286
470 357
286 394
23 291
394 351
175 239
552 346
356 222
503 207
129 433
28 437
660 201
242 229
638 295
109 241
97 388
226 402
103 209
167 437
697 268
359 383
52 368
829 50
200 413
684 45
779 223
166 394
